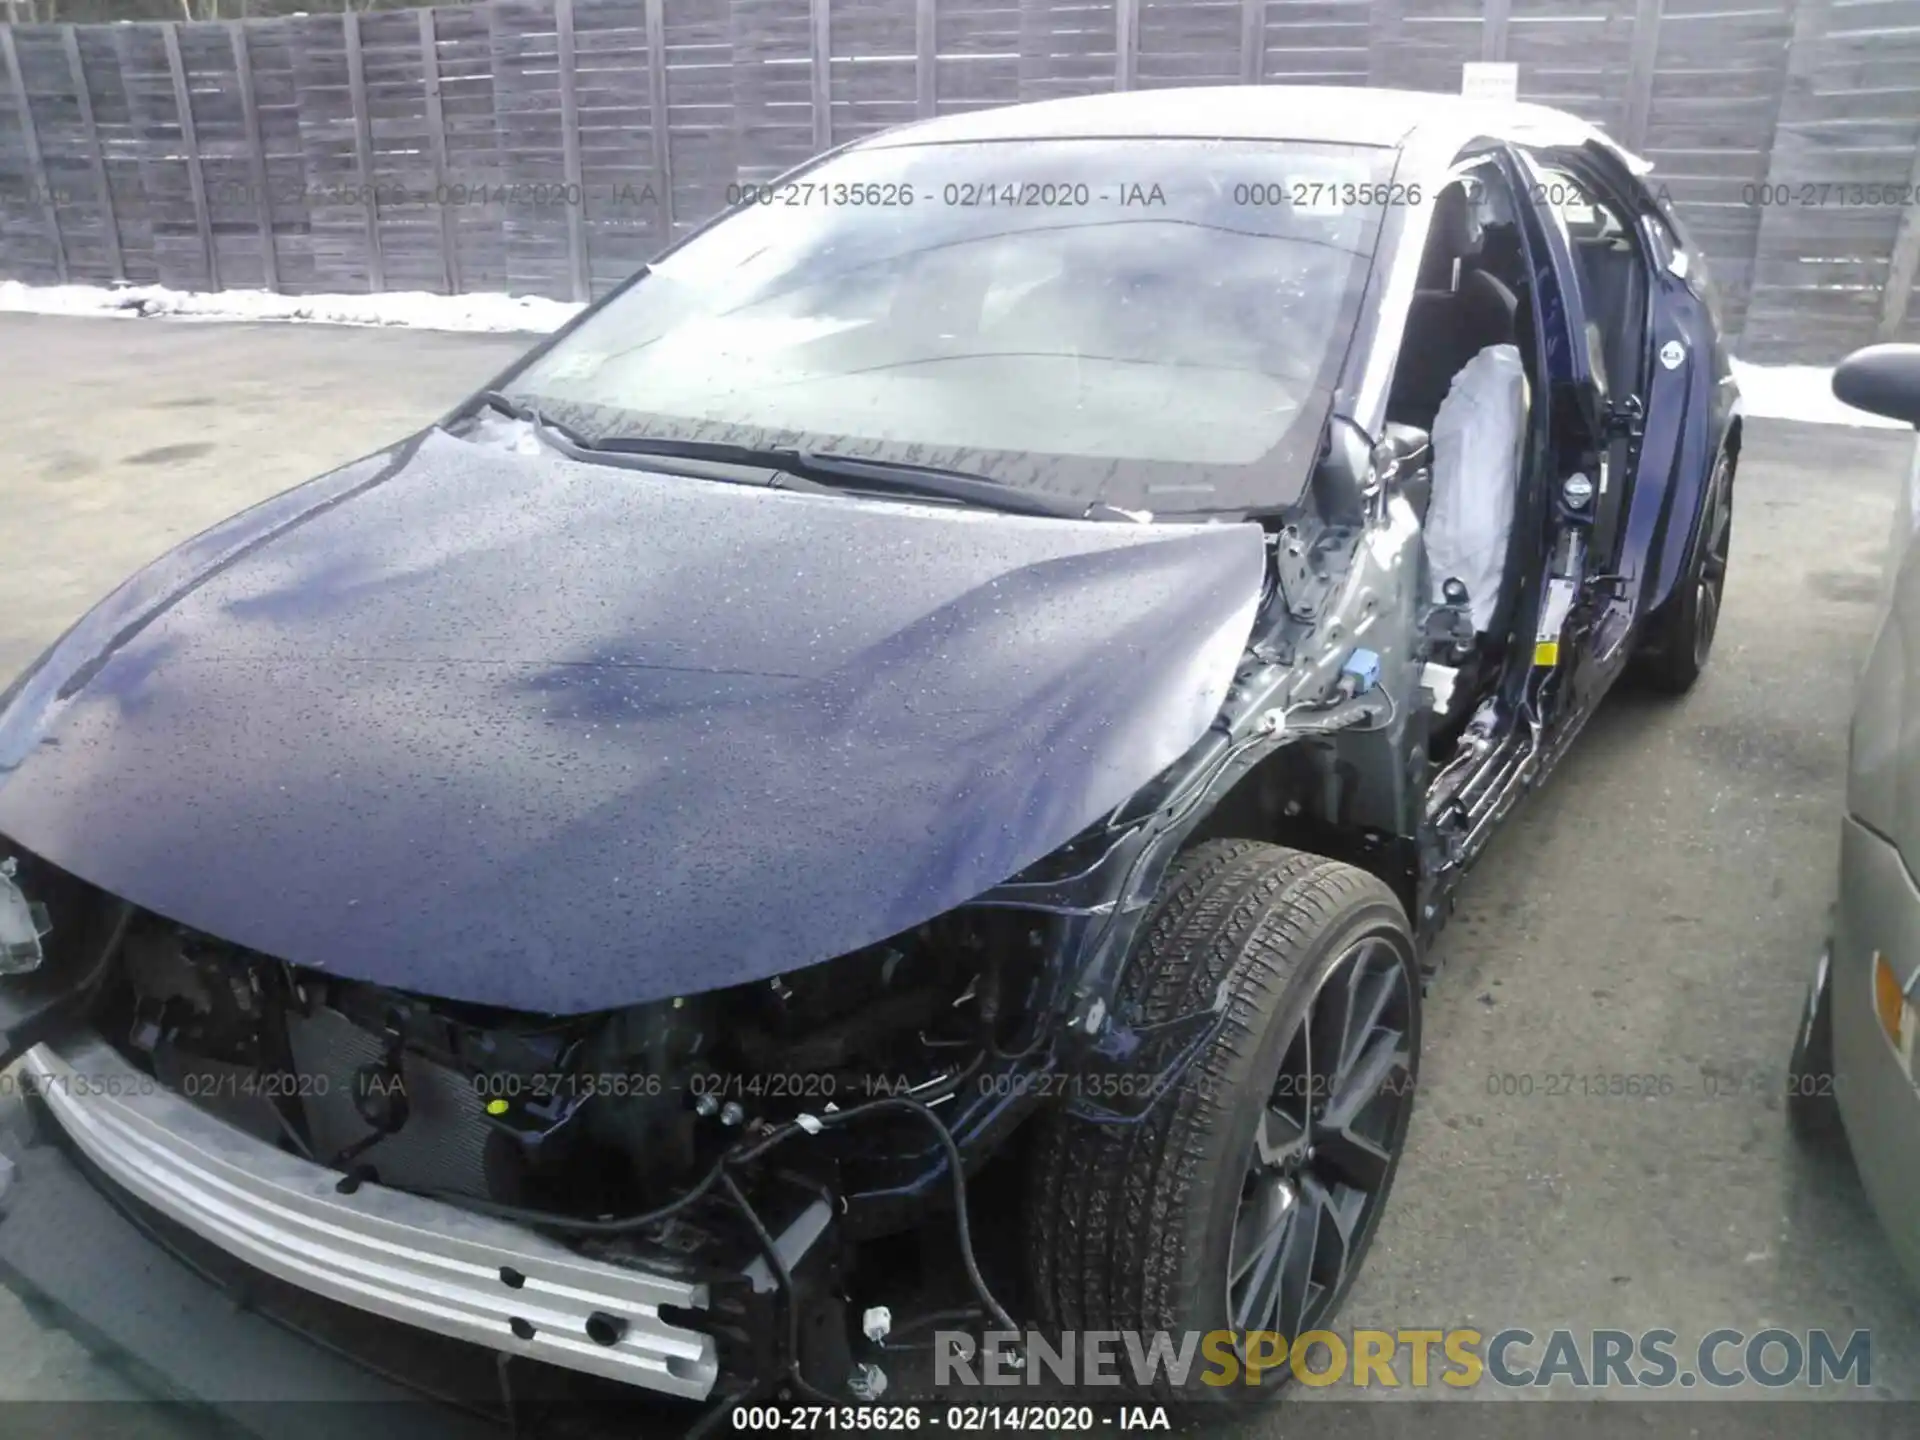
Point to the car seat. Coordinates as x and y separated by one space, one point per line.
1458 310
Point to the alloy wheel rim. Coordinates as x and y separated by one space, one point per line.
1323 1153
1711 586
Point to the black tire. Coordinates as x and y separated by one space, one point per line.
1813 1113
1675 650
1132 1227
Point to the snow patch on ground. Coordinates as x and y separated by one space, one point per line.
411 308
1799 392
1775 392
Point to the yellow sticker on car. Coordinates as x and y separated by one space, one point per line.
1553 618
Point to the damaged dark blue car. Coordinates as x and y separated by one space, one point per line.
977 674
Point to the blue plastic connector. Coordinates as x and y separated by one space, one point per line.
1361 672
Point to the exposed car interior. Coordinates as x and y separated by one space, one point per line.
1472 297
1470 377
1467 297
1613 279
1613 283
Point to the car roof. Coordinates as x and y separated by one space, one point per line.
1312 113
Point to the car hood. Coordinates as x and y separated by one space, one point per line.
518 730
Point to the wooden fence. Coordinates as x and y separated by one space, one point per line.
548 147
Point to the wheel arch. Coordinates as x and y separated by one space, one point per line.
1129 1225
1309 796
1728 443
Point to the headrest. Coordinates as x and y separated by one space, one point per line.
1455 235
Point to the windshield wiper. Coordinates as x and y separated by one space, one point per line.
894 477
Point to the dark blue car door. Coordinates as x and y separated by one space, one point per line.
1666 423
1581 411
1559 312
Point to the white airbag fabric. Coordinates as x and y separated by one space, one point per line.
1476 459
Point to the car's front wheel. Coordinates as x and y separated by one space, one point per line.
1247 1198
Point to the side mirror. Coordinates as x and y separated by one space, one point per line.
1882 380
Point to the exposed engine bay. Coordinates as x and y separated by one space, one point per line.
575 1115
658 1137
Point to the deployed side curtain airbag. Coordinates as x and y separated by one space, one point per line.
1476 457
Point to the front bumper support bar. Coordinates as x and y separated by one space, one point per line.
407 1257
